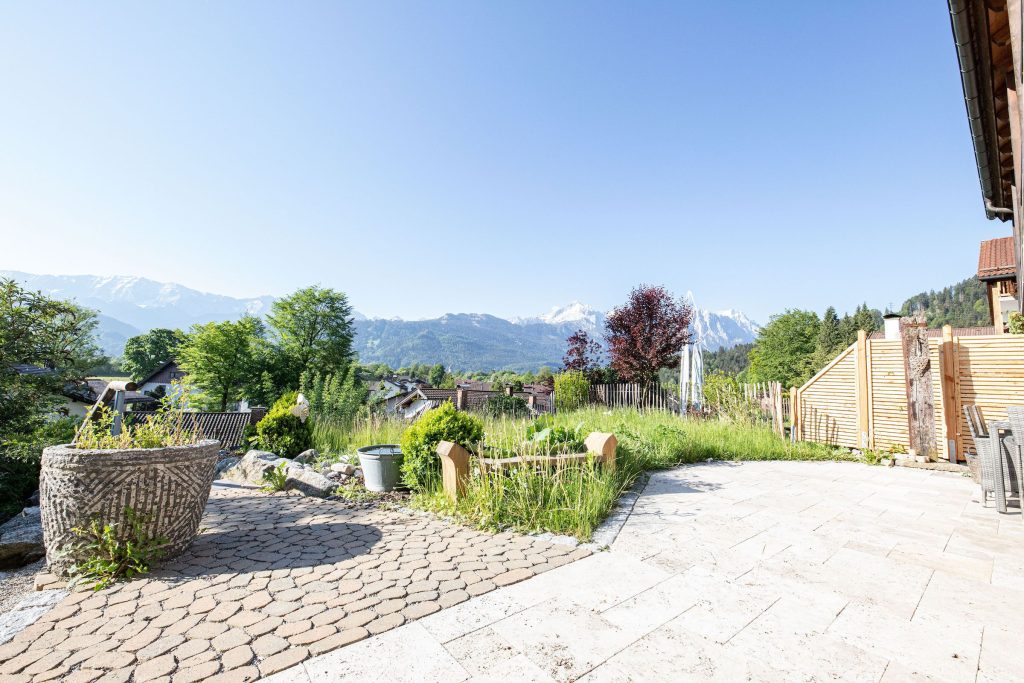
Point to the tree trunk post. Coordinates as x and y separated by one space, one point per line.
918 373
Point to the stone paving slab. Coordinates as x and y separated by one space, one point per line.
270 582
756 571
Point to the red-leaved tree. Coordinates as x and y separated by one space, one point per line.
647 334
583 353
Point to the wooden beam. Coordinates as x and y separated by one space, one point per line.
861 368
995 307
950 405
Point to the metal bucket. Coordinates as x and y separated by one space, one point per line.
381 466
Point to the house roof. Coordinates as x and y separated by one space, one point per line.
29 369
996 259
981 33
426 393
227 428
161 368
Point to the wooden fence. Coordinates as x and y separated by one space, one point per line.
639 396
859 400
773 401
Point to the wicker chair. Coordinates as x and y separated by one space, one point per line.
1016 447
982 465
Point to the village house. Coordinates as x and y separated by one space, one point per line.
160 381
990 49
997 269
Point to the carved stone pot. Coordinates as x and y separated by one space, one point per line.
167 489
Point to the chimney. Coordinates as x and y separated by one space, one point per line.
892 325
460 399
509 390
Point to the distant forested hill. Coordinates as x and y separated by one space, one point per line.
730 361
961 305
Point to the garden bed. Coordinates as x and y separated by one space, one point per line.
576 497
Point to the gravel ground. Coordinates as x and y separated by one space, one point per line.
17 583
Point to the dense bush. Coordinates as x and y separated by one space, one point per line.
420 464
282 433
508 406
19 463
572 390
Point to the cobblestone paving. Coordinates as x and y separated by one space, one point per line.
269 583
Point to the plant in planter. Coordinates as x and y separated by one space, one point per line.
148 480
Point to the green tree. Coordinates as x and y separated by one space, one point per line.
311 328
146 352
55 338
831 339
572 390
220 358
784 351
436 375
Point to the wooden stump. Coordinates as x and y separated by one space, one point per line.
454 468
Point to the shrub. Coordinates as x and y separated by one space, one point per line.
1016 323
420 464
282 433
20 459
572 390
508 406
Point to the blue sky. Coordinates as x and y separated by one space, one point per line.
497 157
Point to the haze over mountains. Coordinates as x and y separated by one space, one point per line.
465 341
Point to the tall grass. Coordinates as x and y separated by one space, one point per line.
338 438
575 499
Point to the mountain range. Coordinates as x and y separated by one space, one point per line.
467 341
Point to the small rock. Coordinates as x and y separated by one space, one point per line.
21 539
307 456
308 482
253 466
223 465
358 473
343 468
33 500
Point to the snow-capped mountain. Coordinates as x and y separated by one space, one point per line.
141 302
129 305
466 341
579 314
714 329
717 329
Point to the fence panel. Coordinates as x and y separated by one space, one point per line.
987 371
828 403
633 395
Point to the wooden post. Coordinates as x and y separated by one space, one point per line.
861 367
780 427
995 306
958 401
603 445
950 407
918 373
794 414
454 468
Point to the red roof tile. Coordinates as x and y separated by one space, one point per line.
996 259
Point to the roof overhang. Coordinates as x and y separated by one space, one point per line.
981 31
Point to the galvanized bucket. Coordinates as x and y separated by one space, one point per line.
381 466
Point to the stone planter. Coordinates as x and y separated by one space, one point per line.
168 487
